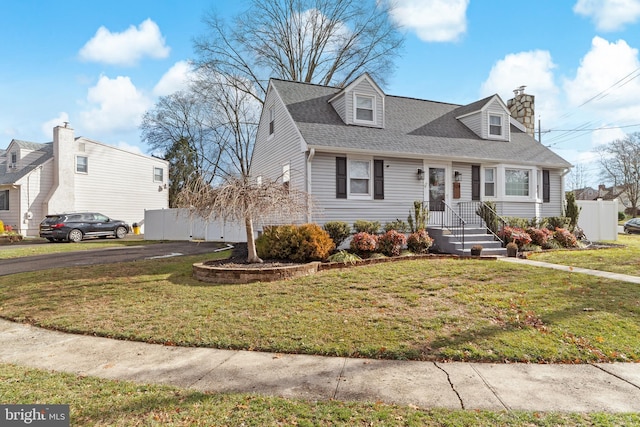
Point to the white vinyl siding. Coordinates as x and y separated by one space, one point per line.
119 184
363 90
474 122
285 147
401 188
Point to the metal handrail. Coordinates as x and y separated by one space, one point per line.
448 217
499 223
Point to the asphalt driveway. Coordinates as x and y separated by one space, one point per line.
106 256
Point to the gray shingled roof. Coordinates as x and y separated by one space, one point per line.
413 128
10 176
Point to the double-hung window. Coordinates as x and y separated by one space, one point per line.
82 164
364 108
359 177
158 174
516 182
495 125
490 182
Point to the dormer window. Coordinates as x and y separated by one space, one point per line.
364 108
495 125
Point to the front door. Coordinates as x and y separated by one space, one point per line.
436 187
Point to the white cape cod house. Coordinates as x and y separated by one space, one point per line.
363 154
77 175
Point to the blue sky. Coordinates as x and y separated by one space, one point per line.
101 65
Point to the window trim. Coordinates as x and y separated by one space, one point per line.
157 168
485 182
86 171
272 119
355 109
502 126
5 206
360 196
527 196
286 176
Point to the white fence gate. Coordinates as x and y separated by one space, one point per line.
177 224
599 219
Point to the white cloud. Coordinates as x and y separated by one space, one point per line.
128 147
127 47
609 15
600 69
532 69
117 106
47 127
177 78
432 20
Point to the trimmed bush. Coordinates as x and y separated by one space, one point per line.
363 226
621 217
419 242
398 225
565 238
338 231
307 242
515 235
391 243
539 236
364 243
345 257
554 222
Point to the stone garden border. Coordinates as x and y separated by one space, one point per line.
236 274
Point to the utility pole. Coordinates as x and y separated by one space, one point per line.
539 132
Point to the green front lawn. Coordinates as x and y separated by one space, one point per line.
39 247
624 259
434 309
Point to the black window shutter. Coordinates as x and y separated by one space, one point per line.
546 187
475 182
378 179
341 177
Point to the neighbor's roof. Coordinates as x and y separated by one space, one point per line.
413 127
11 176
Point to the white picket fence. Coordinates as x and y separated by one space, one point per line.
177 224
599 219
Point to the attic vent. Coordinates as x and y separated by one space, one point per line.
82 147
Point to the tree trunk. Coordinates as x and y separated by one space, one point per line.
252 256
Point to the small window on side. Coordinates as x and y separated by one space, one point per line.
82 164
272 119
158 174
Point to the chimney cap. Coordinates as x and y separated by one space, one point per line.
519 90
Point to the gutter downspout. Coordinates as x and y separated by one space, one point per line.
312 153
564 193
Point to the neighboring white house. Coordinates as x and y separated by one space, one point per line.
363 154
77 174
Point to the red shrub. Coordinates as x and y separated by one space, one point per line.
391 243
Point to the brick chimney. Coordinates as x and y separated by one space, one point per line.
522 108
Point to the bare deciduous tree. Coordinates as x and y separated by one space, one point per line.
241 200
315 41
578 177
620 163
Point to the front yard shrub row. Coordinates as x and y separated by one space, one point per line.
542 237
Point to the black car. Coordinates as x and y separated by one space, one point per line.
73 227
632 226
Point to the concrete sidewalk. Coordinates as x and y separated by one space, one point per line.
570 269
575 388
